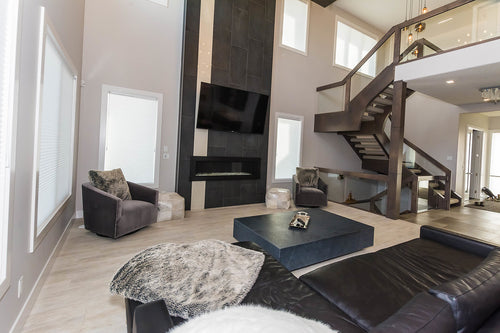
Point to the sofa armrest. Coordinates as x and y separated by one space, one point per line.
424 314
152 317
143 193
456 241
323 186
295 186
100 206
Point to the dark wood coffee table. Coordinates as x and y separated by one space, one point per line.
328 236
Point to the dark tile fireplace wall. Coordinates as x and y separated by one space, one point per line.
241 58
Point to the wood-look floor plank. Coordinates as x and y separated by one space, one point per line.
75 296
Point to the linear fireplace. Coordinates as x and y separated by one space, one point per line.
224 168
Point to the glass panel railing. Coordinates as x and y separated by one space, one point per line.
419 164
474 22
331 100
356 192
372 67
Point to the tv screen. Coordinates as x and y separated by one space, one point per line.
233 110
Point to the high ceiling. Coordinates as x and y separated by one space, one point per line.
383 14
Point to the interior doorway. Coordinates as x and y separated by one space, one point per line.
473 163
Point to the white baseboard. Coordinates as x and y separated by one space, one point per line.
37 287
79 214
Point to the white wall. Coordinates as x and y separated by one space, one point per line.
67 18
432 125
135 44
294 83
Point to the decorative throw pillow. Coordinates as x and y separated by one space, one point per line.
307 177
112 182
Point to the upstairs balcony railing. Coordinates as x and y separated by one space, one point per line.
456 25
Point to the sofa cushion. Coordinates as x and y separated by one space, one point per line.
474 296
135 215
307 177
424 313
112 182
372 287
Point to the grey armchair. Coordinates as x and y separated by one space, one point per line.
310 196
110 216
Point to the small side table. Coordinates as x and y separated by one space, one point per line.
171 206
278 198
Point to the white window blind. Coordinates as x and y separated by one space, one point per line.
8 36
295 24
351 46
55 133
288 146
132 119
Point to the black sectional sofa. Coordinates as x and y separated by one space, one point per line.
440 282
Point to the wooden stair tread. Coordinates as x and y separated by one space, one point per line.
374 109
367 118
454 201
382 101
374 157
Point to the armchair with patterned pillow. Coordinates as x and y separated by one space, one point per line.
308 189
113 207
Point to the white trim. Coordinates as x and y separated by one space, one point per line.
79 214
354 26
46 29
106 90
304 53
7 215
291 117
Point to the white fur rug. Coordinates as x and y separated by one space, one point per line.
251 319
192 278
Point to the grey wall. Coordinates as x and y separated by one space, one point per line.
132 44
67 19
294 83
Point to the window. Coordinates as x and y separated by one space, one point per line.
131 121
54 133
351 45
288 146
494 184
8 36
295 23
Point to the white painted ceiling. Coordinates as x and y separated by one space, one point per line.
384 14
465 90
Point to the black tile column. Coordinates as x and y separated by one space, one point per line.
242 58
188 98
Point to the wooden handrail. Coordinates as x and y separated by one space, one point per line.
428 157
389 33
363 175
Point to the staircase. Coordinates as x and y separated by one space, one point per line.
364 122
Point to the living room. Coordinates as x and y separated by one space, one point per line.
139 45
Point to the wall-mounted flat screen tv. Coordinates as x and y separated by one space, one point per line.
232 110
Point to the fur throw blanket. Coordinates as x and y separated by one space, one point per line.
192 278
252 319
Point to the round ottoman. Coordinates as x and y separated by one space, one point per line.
278 198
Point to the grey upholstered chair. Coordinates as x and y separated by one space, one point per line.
108 215
310 196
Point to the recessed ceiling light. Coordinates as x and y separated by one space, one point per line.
450 81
